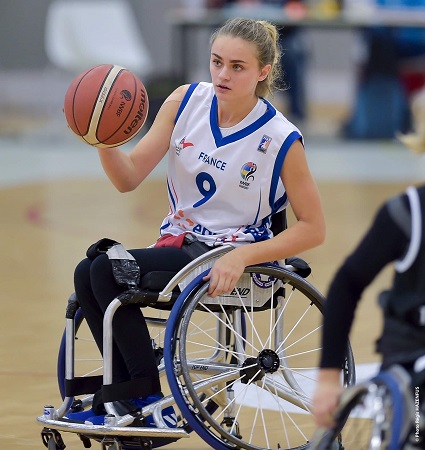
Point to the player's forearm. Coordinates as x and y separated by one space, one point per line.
329 376
119 168
291 242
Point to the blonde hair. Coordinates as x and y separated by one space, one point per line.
264 36
416 139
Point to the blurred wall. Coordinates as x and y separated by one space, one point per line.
30 85
22 25
27 78
22 34
156 31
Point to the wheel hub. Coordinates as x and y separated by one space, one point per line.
254 369
268 360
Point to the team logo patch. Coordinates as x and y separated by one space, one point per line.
264 143
247 171
263 281
182 145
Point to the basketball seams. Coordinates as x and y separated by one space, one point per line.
124 118
137 88
69 105
134 97
141 87
80 133
109 81
90 121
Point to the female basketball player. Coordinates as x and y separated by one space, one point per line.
396 235
233 161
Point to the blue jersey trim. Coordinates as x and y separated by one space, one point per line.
164 227
258 209
215 129
186 98
170 195
261 233
275 205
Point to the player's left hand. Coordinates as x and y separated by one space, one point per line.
225 273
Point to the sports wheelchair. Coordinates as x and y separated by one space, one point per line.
240 367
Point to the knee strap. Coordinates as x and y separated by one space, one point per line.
100 247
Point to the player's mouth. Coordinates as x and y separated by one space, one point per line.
223 87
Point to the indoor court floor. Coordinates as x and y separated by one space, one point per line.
55 201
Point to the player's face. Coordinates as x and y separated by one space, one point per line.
234 67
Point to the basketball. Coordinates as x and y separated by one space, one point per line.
106 105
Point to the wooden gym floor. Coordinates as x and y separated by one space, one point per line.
55 201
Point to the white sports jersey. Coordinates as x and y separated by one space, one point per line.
224 184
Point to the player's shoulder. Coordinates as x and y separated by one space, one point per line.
178 94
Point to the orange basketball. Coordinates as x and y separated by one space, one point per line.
106 105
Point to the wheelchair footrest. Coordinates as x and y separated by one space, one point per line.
103 430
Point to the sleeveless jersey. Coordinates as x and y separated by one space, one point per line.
224 185
403 337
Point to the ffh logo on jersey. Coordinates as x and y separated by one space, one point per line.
247 171
182 145
264 143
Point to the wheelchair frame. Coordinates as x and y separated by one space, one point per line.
203 385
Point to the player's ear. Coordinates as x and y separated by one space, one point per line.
264 72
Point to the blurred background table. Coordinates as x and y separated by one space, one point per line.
187 24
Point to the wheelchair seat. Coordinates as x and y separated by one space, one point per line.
153 283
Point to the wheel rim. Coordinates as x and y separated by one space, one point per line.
255 362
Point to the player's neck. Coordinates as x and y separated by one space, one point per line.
230 114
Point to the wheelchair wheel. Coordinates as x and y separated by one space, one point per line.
369 417
259 371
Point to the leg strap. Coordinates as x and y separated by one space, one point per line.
83 385
140 387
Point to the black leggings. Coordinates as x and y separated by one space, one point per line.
95 287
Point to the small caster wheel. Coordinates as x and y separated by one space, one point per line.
52 439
